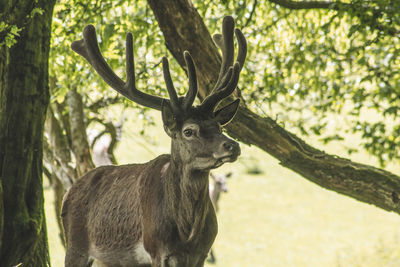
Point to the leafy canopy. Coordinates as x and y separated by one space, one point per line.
304 65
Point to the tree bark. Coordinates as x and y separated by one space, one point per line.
57 151
183 29
24 99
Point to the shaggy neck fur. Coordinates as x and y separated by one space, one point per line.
188 198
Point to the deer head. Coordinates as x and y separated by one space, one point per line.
219 182
195 131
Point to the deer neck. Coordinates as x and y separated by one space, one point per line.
188 197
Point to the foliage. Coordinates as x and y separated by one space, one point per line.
10 32
112 19
310 63
313 63
71 73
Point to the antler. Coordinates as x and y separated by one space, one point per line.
228 75
89 49
187 102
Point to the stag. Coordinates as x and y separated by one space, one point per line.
158 213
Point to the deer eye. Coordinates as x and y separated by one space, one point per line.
188 132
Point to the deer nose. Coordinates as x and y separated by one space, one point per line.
230 145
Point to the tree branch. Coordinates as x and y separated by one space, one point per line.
362 12
184 29
251 14
308 4
104 102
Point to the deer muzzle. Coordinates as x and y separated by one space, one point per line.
228 151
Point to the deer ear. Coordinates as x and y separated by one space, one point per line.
168 117
225 115
212 176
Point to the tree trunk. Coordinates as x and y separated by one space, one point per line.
57 155
183 29
24 99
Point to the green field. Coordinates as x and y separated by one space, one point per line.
277 218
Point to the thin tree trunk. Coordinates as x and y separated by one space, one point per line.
23 103
183 29
59 191
57 151
79 140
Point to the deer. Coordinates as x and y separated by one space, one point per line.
215 189
157 213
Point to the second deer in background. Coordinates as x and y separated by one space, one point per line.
218 186
215 189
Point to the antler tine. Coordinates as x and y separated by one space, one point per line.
89 49
228 75
192 92
223 76
170 87
225 43
130 63
211 101
242 47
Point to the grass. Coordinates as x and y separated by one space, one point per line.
276 218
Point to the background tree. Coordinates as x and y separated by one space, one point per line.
24 50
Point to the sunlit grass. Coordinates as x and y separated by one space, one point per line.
276 218
280 219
